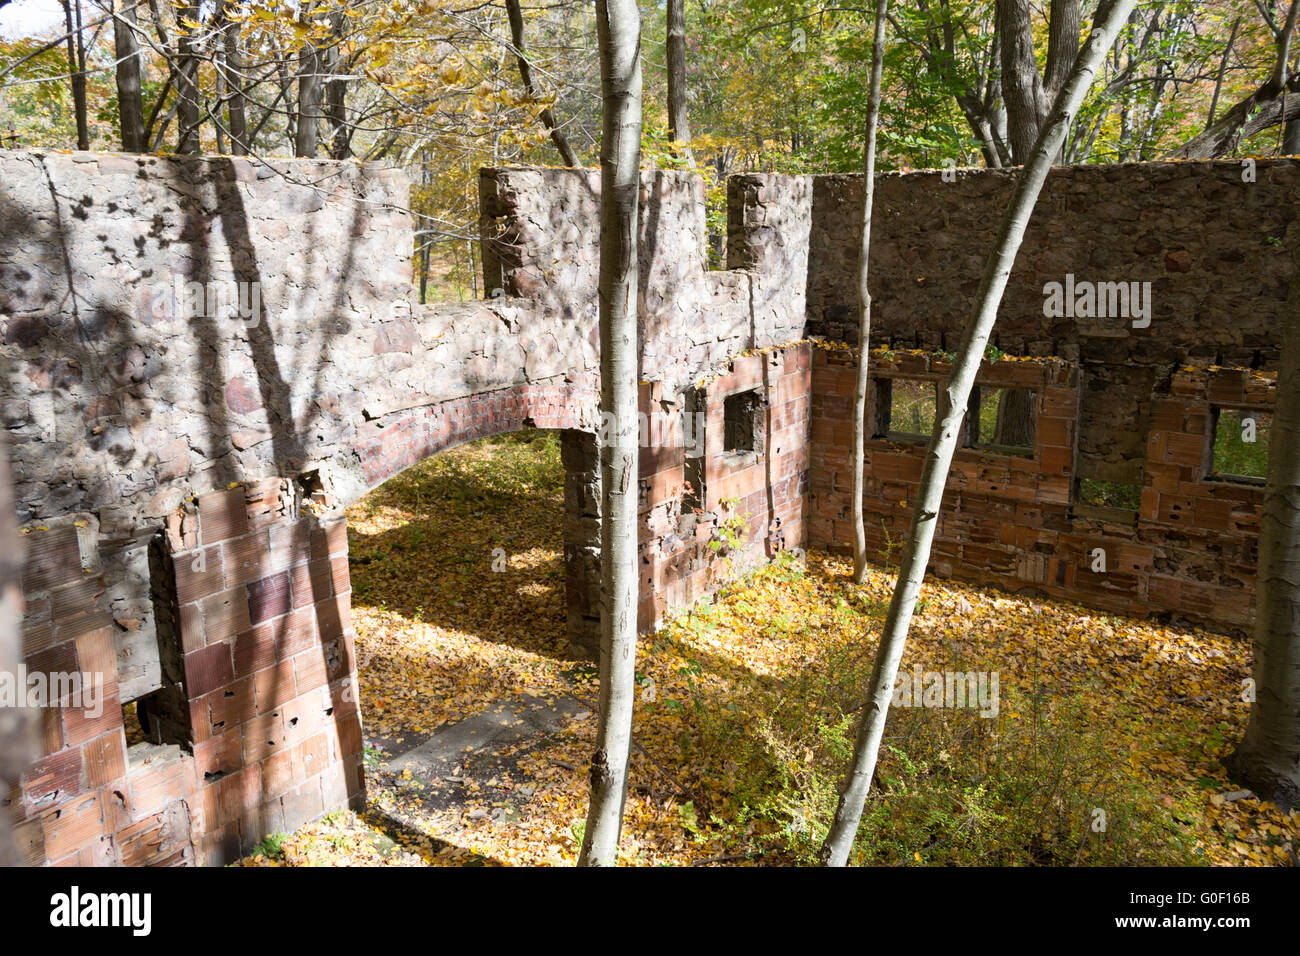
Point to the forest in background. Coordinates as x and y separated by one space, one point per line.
442 89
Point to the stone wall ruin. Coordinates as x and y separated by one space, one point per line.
182 468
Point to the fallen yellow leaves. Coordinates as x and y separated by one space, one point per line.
442 637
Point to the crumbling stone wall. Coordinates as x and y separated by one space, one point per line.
1209 237
190 463
181 473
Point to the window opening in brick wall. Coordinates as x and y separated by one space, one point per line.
741 424
1240 451
906 408
1110 494
1004 419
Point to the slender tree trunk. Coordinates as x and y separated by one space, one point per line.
130 97
1291 138
286 94
953 399
679 127
188 115
77 69
1223 68
547 116
307 135
864 295
1268 758
219 120
618 25
236 100
336 108
15 726
1064 24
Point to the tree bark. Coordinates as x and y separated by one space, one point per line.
307 132
1015 423
1268 758
618 25
953 399
236 99
1027 94
130 96
679 127
15 724
77 70
547 116
336 107
1063 27
187 84
864 295
1022 88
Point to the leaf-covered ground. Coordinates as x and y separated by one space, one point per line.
1105 748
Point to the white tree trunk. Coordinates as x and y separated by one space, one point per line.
947 430
15 742
864 295
619 26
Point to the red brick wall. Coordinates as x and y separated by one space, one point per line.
678 565
1188 553
82 803
262 615
269 664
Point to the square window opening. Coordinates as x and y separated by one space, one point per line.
1004 419
906 408
1240 450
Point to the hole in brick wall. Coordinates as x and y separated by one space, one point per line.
906 408
693 478
694 415
740 421
1240 450
1003 419
1110 494
311 488
454 561
135 732
161 717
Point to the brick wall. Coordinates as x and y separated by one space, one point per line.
1187 553
263 607
762 490
84 802
260 730
182 478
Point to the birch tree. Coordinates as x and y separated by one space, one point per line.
1268 758
618 24
951 410
864 295
15 744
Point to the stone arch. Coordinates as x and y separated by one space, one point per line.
406 440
